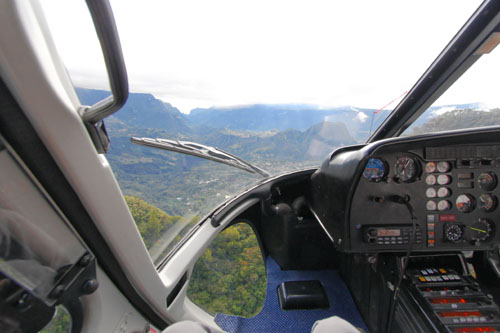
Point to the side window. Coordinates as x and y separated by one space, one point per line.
230 277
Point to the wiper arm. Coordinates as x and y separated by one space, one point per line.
200 150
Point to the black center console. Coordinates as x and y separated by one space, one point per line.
448 297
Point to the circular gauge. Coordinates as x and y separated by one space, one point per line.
443 179
430 180
430 205
443 192
430 192
430 167
487 181
488 202
481 230
453 232
443 166
374 169
465 203
444 205
406 169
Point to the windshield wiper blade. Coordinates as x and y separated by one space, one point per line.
200 150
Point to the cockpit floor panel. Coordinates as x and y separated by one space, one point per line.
273 319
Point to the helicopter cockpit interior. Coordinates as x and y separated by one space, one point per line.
397 234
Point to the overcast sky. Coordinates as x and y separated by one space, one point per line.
202 53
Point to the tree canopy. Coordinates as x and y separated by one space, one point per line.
150 220
230 277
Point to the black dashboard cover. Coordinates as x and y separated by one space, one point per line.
335 183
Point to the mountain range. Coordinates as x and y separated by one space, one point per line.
257 131
293 131
145 111
262 117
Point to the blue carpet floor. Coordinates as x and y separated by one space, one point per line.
272 319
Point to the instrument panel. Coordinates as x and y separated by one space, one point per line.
451 191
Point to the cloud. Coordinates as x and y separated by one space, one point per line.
360 115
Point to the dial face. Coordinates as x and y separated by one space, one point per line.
443 192
406 169
488 202
465 203
487 181
443 166
374 169
430 205
430 167
453 232
443 179
444 205
430 192
430 180
480 230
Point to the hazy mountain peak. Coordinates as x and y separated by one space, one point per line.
141 110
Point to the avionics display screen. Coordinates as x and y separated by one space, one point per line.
388 232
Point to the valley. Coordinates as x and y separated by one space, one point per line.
277 138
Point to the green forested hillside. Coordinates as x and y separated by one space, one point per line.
150 221
230 277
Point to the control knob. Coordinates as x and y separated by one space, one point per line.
453 232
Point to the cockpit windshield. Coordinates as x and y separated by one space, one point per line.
278 84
